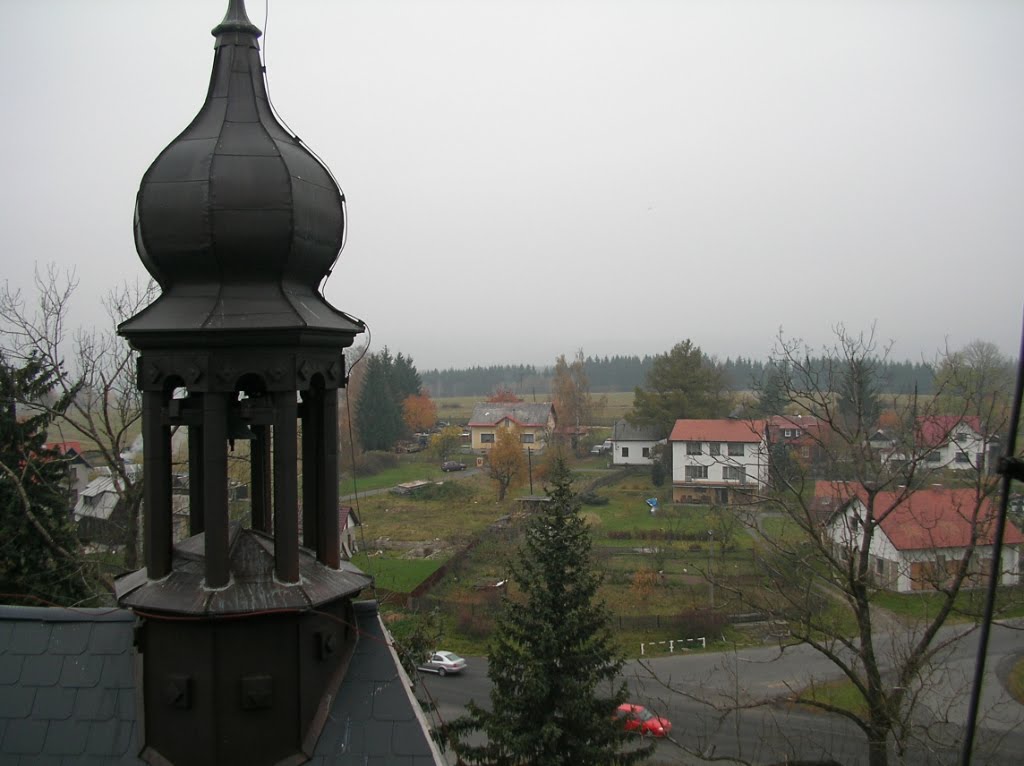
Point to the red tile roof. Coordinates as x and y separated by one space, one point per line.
936 430
717 431
938 518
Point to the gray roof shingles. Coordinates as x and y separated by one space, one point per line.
67 694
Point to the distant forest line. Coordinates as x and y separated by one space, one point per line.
625 373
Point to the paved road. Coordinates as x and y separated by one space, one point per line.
686 688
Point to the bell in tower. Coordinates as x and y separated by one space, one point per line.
245 625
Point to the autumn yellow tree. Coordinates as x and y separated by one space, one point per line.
574 404
419 412
446 442
506 464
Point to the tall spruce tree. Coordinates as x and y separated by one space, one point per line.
39 555
553 666
378 415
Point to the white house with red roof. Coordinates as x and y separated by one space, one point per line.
718 461
953 442
921 536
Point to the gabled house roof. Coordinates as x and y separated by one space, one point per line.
624 431
928 519
937 430
723 430
98 499
68 685
347 513
801 422
522 414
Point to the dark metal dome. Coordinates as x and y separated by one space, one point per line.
237 220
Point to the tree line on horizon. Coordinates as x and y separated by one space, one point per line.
626 373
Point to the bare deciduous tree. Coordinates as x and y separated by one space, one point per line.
823 574
92 367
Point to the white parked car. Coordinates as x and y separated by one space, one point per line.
444 663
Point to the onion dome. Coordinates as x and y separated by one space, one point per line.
236 219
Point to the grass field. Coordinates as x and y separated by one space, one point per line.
401 575
608 407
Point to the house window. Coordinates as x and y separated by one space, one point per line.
879 567
526 438
787 433
487 438
805 452
714 448
696 472
734 473
625 452
693 448
735 449
933 457
645 451
962 457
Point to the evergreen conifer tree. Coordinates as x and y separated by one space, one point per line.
39 557
378 415
553 666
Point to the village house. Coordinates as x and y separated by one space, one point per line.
634 445
718 461
922 536
535 423
950 442
800 435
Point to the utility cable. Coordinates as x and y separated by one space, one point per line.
1008 466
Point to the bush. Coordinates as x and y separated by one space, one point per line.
473 622
702 622
370 463
592 498
449 490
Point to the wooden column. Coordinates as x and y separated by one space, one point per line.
286 512
311 460
328 550
215 487
156 474
259 475
196 514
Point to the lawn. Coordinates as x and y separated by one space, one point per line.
843 694
400 575
969 605
411 467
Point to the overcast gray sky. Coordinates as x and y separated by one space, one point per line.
527 178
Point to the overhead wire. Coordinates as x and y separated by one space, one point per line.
1006 466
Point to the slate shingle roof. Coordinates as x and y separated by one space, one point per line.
520 413
624 431
67 694
67 687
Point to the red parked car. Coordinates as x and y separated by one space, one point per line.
637 718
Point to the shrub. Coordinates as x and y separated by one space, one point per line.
592 498
449 490
370 463
474 623
702 622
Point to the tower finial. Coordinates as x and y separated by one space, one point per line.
236 20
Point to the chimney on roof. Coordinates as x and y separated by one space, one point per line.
245 629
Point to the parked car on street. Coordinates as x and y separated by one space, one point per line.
444 663
453 465
637 718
